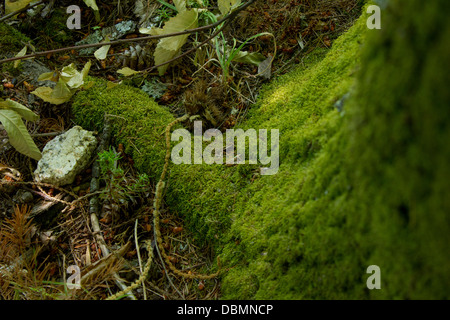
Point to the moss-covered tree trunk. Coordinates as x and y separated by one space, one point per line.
367 185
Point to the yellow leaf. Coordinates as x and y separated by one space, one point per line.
153 31
180 5
20 54
51 76
86 69
162 55
60 94
183 21
225 6
127 71
110 85
72 77
92 4
101 53
14 5
167 48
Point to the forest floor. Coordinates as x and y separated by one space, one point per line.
43 230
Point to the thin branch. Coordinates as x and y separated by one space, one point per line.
28 6
37 135
230 16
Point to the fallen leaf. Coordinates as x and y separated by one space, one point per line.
15 5
60 94
101 53
127 71
20 54
110 85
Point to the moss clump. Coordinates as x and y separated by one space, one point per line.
398 150
365 186
11 42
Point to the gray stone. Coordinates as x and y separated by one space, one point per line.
23 196
65 156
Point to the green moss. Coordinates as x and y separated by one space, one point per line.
365 186
401 154
11 42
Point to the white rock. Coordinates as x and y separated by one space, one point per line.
65 156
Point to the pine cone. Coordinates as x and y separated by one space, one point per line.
136 58
211 103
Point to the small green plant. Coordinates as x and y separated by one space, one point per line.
120 189
167 5
226 54
112 174
164 14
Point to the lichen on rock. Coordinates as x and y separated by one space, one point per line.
65 156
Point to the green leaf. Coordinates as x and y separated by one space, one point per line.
18 135
253 58
168 5
225 6
162 55
92 4
180 5
182 21
20 54
86 69
127 71
167 48
60 94
51 76
72 77
23 111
